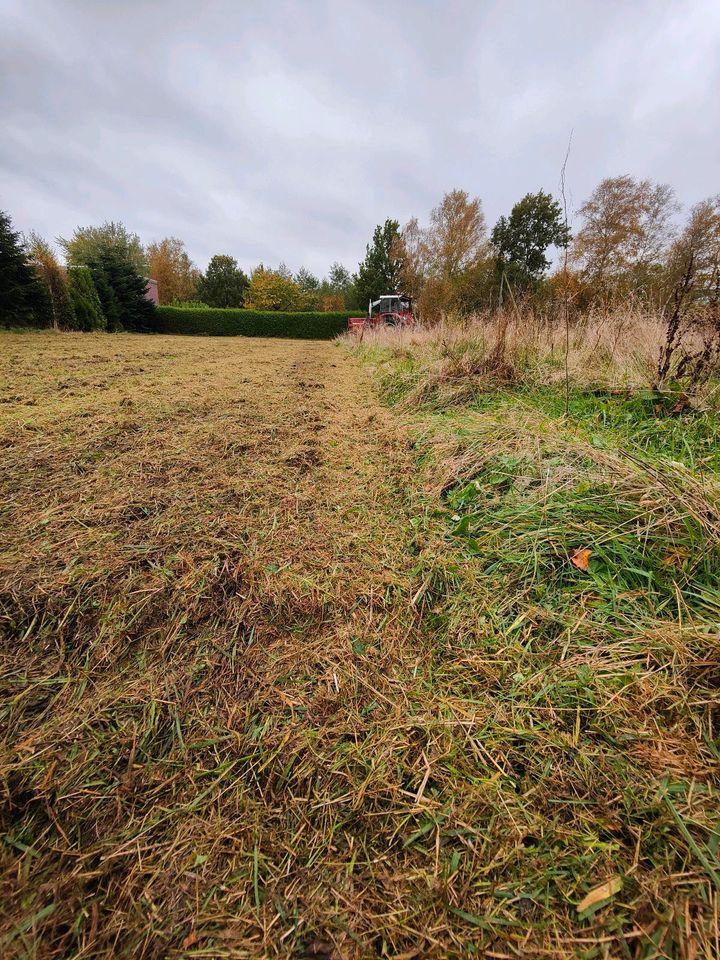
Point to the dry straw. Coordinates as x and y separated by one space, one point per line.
257 700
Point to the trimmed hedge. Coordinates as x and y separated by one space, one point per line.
215 322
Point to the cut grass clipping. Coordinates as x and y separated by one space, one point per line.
277 685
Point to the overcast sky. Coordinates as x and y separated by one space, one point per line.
285 130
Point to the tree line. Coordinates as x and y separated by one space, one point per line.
101 286
103 281
628 243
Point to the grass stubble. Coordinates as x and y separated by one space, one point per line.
285 673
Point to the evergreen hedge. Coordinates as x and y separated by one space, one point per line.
251 323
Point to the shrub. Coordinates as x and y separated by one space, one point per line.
251 323
85 300
273 290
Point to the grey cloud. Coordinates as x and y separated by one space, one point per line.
285 131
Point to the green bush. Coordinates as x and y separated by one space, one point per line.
251 323
85 300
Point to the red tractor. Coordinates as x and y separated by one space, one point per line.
392 310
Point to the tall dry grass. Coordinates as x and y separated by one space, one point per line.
617 657
618 348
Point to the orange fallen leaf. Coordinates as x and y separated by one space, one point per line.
580 558
602 892
683 402
190 940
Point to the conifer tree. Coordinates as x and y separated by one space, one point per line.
122 290
24 299
85 300
379 272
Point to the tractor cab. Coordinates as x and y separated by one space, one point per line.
392 309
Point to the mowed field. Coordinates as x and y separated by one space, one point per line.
257 702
